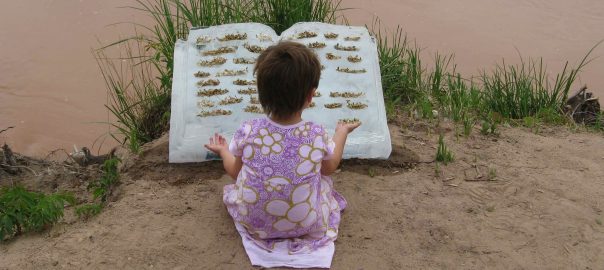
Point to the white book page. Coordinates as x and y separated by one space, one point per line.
350 48
208 97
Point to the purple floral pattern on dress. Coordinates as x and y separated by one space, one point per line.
280 194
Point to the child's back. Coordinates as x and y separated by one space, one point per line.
280 192
281 162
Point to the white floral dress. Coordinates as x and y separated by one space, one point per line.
280 194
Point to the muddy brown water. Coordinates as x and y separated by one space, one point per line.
53 94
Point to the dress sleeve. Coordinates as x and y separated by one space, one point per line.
328 145
236 144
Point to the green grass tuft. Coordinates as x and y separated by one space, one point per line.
400 67
101 189
89 210
443 154
138 101
517 91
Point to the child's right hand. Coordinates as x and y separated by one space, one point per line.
218 144
347 127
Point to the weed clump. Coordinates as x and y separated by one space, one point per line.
443 154
22 211
101 189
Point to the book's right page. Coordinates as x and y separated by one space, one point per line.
350 85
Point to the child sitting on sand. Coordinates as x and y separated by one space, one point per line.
282 163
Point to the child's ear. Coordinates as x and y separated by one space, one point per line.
312 94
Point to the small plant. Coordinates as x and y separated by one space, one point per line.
437 170
371 172
490 208
101 189
550 116
484 130
22 210
599 124
443 154
599 221
110 178
468 124
89 210
424 109
532 123
459 99
492 173
489 125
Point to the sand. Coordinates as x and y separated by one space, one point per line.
541 208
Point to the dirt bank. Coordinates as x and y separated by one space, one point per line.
542 209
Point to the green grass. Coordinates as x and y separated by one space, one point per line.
518 91
490 124
492 174
443 154
101 189
282 14
468 124
89 210
511 91
137 99
400 68
599 125
22 210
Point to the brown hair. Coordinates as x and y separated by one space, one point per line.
286 74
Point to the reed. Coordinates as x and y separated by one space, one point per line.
282 14
521 90
400 67
137 100
443 154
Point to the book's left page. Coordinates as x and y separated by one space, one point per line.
213 87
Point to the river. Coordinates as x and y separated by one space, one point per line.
53 94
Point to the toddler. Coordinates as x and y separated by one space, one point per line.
282 163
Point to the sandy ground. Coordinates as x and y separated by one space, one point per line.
542 209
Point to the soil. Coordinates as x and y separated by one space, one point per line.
517 200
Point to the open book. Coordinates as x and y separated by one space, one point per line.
214 88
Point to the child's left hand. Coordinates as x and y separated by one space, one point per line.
218 144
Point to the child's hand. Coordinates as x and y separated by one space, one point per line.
218 144
347 127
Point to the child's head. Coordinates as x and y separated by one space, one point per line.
287 74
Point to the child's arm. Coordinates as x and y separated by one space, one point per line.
339 138
232 164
